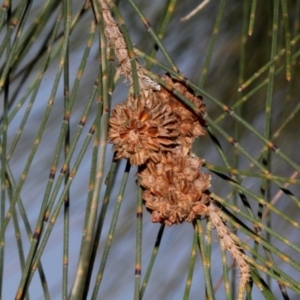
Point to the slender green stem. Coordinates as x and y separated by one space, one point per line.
26 278
35 82
266 184
25 220
246 173
20 244
297 21
46 203
227 286
111 232
44 209
34 91
208 259
281 286
205 260
32 33
13 24
110 181
3 152
212 44
6 7
262 286
67 16
36 141
153 35
268 119
103 97
170 6
252 17
12 46
266 67
287 40
254 90
18 188
138 255
152 260
191 267
230 288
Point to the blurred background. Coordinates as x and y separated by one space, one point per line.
236 56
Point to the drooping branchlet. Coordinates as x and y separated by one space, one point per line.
116 40
155 131
229 243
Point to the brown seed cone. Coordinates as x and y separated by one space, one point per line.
175 190
141 128
190 125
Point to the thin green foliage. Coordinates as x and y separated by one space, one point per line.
247 73
152 260
67 16
212 44
111 231
204 241
138 255
189 279
252 16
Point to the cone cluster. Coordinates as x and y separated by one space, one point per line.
156 132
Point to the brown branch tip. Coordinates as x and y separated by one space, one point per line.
230 245
116 40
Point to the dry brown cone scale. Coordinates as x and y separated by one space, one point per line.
181 110
144 128
141 129
175 190
190 125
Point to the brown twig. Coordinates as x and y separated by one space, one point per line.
226 235
116 40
